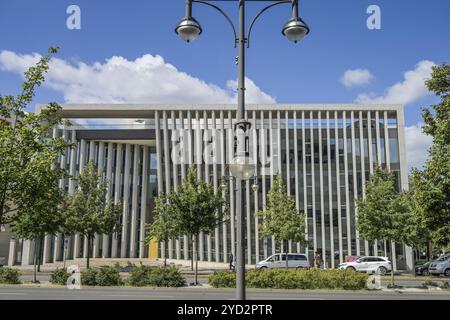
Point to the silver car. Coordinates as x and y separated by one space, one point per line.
380 265
440 266
295 260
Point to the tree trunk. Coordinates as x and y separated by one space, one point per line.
392 266
88 251
192 253
287 256
39 260
429 251
196 259
35 261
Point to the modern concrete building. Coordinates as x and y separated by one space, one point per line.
324 153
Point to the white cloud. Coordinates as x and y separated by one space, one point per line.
356 77
411 89
417 145
148 79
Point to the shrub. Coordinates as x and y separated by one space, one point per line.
60 276
154 276
9 276
108 276
293 279
103 277
88 277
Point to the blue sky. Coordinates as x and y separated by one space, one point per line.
309 72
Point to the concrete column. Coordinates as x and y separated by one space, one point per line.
288 164
223 164
175 177
322 204
330 190
206 179
313 180
255 194
190 152
134 202
72 171
216 151
144 196
247 209
57 252
338 185
167 170
355 180
263 156
273 146
159 172
117 195
183 175
199 162
12 252
101 170
363 168
231 190
109 165
305 189
297 182
124 253
27 252
77 243
347 192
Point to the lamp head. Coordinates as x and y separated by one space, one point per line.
188 29
295 29
242 167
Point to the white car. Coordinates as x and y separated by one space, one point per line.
295 260
380 265
440 266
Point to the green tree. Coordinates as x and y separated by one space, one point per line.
165 224
384 214
27 147
88 212
281 218
196 209
432 184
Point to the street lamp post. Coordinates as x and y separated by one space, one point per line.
242 166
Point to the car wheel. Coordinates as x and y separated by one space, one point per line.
263 268
351 269
447 273
299 268
382 270
426 273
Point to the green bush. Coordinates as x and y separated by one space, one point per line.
142 276
108 276
9 276
293 279
88 277
60 276
103 277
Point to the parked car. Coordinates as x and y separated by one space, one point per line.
422 270
440 266
295 260
364 264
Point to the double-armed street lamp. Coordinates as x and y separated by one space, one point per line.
242 167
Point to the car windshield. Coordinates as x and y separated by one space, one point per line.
443 258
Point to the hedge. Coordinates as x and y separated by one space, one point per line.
293 279
9 276
103 277
143 276
59 276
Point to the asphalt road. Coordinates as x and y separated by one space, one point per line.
200 293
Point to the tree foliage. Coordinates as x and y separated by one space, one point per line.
88 212
194 208
28 151
281 218
432 184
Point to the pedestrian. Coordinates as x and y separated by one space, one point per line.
317 260
231 260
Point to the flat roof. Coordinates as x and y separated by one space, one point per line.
132 111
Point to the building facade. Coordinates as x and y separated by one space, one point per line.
324 153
